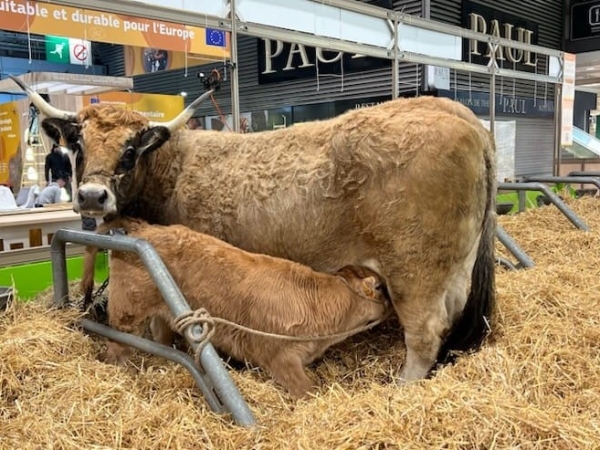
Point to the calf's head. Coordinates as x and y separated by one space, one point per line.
372 297
111 147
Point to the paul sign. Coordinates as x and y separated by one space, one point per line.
500 24
283 61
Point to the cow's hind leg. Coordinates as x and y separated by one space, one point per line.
456 299
424 318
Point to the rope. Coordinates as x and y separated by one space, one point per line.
222 117
199 317
203 318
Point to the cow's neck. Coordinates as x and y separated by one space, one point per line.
158 185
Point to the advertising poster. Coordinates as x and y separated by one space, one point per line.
142 60
50 19
9 141
156 107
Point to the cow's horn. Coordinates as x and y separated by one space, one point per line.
45 108
184 115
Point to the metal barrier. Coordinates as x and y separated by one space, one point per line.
213 379
577 179
511 246
580 173
555 199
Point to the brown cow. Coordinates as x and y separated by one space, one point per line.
406 188
269 294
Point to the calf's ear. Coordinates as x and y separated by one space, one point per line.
152 139
369 287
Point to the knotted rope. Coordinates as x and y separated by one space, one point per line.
203 318
198 317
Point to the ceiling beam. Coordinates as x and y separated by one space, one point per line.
586 81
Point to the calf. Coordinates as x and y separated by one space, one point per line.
262 292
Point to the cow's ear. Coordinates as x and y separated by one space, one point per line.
60 129
152 139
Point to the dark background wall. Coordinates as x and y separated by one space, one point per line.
584 103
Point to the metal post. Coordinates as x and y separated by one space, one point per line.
493 99
511 246
557 128
522 200
395 68
210 361
235 93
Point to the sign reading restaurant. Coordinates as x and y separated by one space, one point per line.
503 25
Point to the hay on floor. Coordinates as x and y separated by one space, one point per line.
535 385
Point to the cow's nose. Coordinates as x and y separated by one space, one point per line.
91 199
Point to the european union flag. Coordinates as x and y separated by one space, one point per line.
215 37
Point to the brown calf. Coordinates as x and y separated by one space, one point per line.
258 291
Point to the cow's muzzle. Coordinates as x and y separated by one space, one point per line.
94 200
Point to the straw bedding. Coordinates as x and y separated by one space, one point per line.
534 385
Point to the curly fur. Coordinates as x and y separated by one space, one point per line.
406 187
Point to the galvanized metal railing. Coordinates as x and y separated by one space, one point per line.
212 378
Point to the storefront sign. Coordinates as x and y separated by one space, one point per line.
156 107
9 142
341 106
585 20
500 24
506 105
281 61
50 19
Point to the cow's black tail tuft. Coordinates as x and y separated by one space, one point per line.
475 323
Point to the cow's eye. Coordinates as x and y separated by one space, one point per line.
128 158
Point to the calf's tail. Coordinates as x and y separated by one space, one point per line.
476 320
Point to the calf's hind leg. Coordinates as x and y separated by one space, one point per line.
287 370
161 331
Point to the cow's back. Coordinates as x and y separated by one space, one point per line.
347 185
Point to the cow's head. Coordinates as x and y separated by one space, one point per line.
110 145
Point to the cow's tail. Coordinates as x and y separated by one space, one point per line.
474 324
87 279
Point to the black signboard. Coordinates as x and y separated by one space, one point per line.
284 61
495 22
585 20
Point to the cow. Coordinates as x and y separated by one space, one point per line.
261 292
406 188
